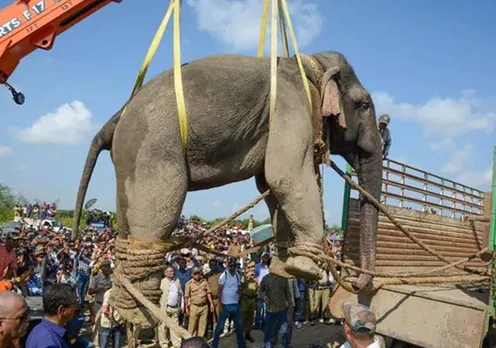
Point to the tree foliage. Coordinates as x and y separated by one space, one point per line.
337 228
7 203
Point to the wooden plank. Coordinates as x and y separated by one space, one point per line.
486 225
396 253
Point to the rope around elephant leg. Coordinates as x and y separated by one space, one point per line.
383 209
155 310
315 253
142 262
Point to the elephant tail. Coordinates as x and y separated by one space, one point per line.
101 141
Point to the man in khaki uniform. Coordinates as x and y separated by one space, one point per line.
213 281
170 303
234 248
249 291
198 297
319 293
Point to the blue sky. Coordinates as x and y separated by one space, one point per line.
429 64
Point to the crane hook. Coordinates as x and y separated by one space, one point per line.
17 96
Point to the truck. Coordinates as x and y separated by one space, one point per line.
40 223
447 308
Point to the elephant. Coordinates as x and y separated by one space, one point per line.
233 137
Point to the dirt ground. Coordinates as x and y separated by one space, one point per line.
320 334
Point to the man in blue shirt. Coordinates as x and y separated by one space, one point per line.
60 304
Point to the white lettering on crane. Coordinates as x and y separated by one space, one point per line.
39 7
27 15
10 26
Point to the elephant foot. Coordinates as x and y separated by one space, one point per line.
303 267
278 267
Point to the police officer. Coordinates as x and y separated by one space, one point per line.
249 290
198 301
385 134
213 281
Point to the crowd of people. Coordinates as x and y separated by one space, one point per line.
35 211
208 296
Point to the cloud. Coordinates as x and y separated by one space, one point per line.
459 160
445 144
446 117
477 179
237 22
67 125
5 151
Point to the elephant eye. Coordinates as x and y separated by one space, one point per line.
364 105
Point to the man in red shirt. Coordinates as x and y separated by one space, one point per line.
9 240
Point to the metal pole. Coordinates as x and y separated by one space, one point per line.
492 229
346 201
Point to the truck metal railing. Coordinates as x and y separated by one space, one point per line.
408 187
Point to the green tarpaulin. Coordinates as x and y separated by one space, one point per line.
261 233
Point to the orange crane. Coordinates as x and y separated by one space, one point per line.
26 25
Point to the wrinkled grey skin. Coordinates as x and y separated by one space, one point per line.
227 102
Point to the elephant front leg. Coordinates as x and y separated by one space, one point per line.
282 231
290 175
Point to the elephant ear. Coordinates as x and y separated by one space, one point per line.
332 104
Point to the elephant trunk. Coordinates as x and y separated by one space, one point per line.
370 179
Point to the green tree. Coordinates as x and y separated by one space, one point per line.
7 202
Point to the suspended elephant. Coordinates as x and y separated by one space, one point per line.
231 139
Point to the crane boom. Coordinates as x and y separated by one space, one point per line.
26 25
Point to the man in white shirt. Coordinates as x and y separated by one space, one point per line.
229 291
170 303
261 270
359 326
112 325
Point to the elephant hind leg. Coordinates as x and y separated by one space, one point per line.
153 194
155 197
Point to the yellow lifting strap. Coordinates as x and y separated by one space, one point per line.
273 51
175 5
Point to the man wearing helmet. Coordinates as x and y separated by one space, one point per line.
385 134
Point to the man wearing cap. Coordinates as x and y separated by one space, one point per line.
249 289
100 284
359 326
229 290
213 281
385 134
198 299
183 273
